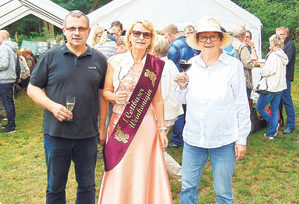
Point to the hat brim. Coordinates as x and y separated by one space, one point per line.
192 42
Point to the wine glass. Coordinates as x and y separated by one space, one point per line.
70 103
184 65
123 88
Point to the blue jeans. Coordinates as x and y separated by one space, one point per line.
286 101
248 91
223 165
59 154
6 93
274 100
177 130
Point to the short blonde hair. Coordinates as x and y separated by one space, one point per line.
148 25
171 28
120 41
284 30
239 32
4 34
161 46
276 41
98 31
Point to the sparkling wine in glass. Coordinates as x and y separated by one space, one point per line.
70 102
124 86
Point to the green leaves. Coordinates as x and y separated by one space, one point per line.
273 14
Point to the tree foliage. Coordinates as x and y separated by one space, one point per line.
85 6
32 26
273 14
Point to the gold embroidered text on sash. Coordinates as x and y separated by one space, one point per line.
151 75
120 135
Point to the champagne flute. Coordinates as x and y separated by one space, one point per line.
70 103
184 65
124 86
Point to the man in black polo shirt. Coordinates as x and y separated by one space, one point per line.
78 70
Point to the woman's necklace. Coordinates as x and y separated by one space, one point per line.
136 62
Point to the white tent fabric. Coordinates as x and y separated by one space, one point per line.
14 10
178 12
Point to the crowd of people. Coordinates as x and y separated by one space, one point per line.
130 88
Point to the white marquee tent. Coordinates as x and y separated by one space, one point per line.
178 12
14 10
159 12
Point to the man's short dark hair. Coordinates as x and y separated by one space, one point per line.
77 14
117 23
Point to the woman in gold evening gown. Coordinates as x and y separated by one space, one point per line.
140 177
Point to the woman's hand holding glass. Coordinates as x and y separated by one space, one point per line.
122 94
182 80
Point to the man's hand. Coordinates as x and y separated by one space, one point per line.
102 137
240 151
61 112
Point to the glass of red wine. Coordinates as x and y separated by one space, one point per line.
184 65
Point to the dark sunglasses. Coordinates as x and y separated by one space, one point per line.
137 34
80 29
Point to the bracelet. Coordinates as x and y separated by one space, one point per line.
162 128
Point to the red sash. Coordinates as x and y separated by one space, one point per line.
132 116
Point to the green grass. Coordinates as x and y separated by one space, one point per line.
267 174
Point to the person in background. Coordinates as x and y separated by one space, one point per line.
24 77
244 56
8 62
108 42
30 59
273 73
230 50
172 108
218 116
121 45
188 30
135 171
178 49
250 45
97 34
286 98
118 26
71 135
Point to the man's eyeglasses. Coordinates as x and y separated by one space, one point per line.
80 29
212 38
137 34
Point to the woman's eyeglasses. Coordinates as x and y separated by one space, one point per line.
74 29
212 38
137 34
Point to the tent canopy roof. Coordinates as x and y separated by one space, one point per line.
181 13
13 10
178 12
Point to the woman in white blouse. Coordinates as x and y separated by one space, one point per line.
274 81
218 116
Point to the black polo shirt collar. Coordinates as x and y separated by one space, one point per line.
65 51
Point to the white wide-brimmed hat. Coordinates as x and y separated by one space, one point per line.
208 24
